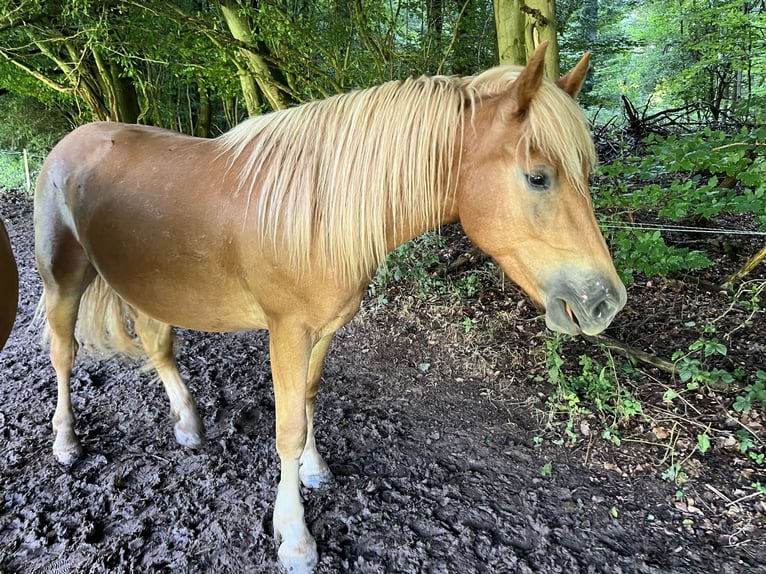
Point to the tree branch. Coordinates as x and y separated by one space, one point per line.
36 75
642 356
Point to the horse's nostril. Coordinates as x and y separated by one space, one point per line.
602 310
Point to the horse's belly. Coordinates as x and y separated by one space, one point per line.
188 303
179 282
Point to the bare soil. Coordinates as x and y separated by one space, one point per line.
447 455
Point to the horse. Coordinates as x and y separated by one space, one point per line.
281 222
9 286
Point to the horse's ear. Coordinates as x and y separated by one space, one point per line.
572 82
517 99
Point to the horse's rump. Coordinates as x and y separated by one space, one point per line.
9 286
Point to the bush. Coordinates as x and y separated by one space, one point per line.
695 176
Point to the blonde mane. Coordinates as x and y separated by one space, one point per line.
334 174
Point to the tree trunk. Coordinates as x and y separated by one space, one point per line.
125 103
240 28
521 26
203 115
590 21
509 23
541 27
435 26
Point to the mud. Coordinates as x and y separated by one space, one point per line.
439 467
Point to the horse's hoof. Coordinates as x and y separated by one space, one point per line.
68 454
300 560
187 438
316 479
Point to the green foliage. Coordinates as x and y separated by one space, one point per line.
755 394
670 53
675 473
751 445
12 172
596 388
693 365
646 252
420 264
680 178
28 124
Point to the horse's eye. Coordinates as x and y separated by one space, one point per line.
538 181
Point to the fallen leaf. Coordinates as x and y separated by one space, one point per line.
687 508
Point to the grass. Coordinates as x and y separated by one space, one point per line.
12 171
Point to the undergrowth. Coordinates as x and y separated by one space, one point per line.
606 389
12 170
679 181
419 263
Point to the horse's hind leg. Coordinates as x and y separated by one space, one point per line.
157 339
314 470
66 273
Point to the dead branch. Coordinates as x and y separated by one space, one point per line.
751 264
638 354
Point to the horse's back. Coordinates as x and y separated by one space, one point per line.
99 148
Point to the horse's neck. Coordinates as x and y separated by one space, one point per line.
408 226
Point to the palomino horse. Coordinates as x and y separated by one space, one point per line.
9 286
280 224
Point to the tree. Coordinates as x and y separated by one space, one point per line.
256 71
705 57
65 50
522 25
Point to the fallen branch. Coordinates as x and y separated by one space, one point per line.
747 267
739 144
638 354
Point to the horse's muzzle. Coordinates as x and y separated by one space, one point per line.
578 303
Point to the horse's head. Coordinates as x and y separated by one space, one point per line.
523 197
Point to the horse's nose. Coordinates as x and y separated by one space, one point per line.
587 303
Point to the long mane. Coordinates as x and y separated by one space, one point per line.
330 180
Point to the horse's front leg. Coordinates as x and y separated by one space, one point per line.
290 348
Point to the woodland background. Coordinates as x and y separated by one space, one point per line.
199 67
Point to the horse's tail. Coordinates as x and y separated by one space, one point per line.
104 322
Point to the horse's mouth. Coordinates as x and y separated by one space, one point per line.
559 316
571 314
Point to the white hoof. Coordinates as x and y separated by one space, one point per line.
299 559
315 479
188 435
66 448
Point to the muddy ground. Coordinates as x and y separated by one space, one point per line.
448 458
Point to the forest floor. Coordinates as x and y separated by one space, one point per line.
435 417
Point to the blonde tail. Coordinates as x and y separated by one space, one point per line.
104 322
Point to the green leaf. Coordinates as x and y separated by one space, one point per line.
742 404
715 347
